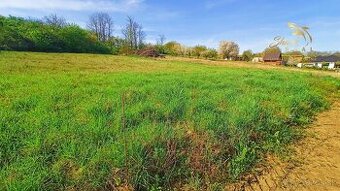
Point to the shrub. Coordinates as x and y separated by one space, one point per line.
210 54
29 35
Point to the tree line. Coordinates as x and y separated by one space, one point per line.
53 34
228 50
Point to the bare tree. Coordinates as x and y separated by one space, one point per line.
133 34
228 49
161 40
102 25
55 20
141 36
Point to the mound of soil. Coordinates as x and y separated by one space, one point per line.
150 52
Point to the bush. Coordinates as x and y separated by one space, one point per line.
28 35
173 48
210 54
247 55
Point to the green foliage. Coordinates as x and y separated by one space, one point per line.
198 50
173 48
29 35
88 122
247 55
209 54
272 50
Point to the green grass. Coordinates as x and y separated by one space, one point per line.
94 122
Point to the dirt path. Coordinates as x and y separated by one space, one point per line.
316 163
319 154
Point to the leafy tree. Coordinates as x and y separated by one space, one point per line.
198 50
210 54
247 55
272 50
1 30
228 49
173 48
294 52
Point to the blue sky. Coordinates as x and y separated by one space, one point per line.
251 23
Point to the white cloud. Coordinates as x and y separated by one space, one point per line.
72 5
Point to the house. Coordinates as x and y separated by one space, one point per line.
257 59
274 57
330 62
327 61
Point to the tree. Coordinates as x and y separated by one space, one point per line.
247 55
173 48
101 24
294 52
54 20
34 35
210 54
160 44
1 29
141 37
228 49
272 50
198 50
161 40
133 34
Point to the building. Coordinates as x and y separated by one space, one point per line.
328 61
273 57
257 59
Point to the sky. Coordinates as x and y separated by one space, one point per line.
252 24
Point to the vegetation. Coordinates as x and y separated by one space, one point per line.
174 48
101 24
197 51
272 50
31 35
210 54
95 122
54 34
229 50
247 55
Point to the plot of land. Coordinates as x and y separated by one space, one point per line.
89 122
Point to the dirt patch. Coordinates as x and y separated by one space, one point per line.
316 163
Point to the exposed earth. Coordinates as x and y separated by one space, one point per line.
316 163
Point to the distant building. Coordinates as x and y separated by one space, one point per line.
257 59
329 61
330 58
274 57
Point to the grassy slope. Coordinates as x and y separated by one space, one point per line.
62 123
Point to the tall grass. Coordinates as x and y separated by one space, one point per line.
90 122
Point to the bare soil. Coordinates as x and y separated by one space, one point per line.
315 165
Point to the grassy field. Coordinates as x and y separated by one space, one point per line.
101 122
